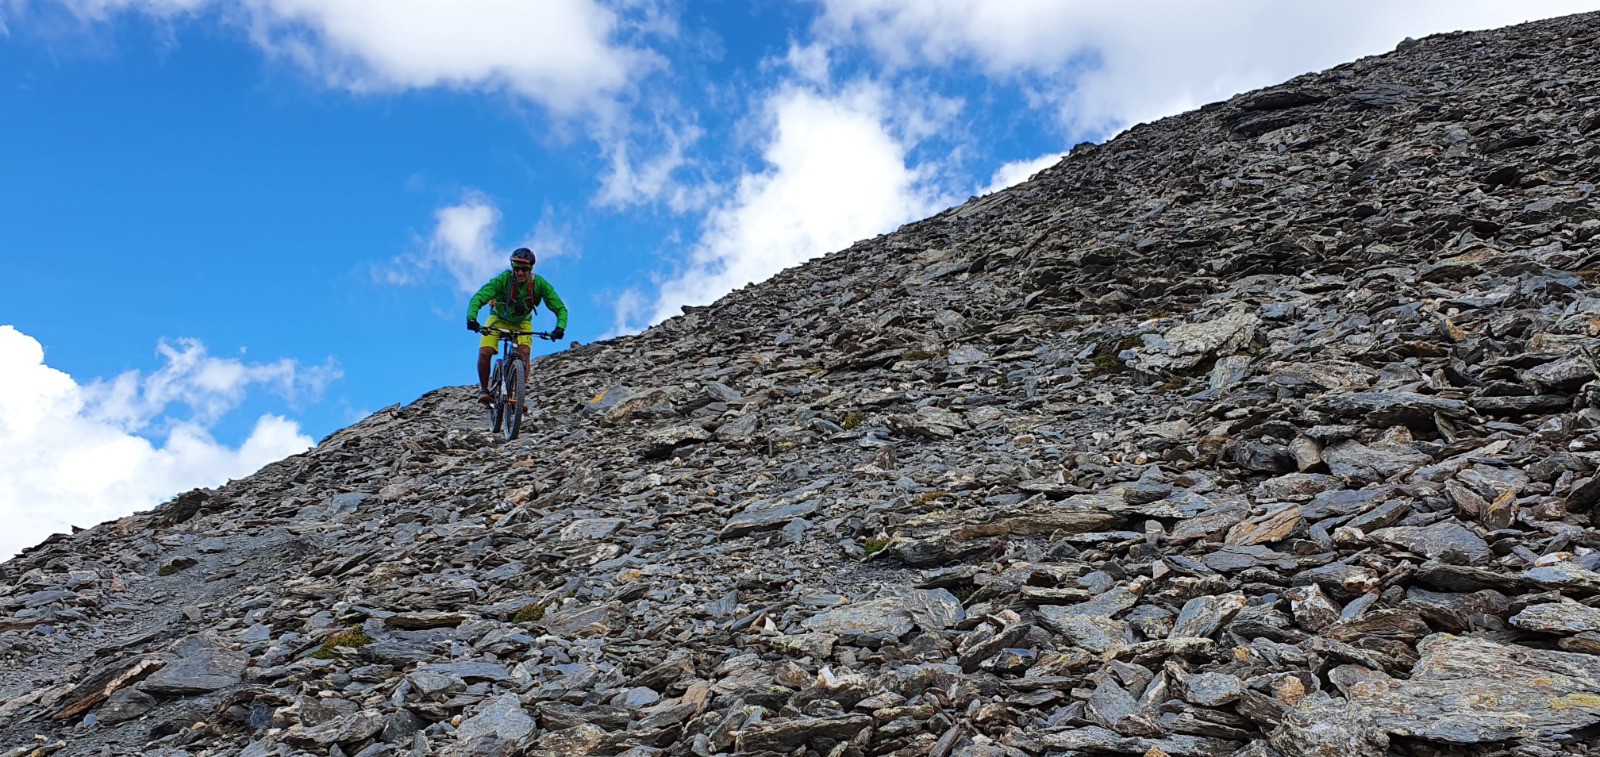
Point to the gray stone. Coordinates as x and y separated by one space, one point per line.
1558 617
1095 633
502 717
1094 739
943 536
340 504
429 681
765 516
661 442
1462 691
469 671
1565 575
817 645
785 735
1212 689
1185 346
1360 464
1446 540
870 623
1383 409
577 619
932 609
1203 616
929 421
587 529
200 663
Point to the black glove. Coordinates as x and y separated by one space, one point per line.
555 336
472 325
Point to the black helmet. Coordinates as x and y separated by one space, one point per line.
522 256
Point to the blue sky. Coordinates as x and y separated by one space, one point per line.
231 227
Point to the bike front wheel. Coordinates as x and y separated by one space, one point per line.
497 401
515 388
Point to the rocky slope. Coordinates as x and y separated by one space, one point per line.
1267 429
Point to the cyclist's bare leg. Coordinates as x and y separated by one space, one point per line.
485 357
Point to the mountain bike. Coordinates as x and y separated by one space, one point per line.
508 381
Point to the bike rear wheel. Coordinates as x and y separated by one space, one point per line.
515 382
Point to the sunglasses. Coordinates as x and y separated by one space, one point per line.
522 268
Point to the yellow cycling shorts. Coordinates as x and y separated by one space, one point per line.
493 342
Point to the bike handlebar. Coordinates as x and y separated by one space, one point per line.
509 334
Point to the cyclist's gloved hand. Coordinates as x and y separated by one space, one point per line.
555 336
472 324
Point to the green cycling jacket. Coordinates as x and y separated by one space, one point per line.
514 303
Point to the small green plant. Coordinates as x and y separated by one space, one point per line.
529 614
353 638
853 420
963 593
874 545
1105 362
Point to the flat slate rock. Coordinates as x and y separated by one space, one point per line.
765 517
1446 540
1462 691
470 671
502 717
198 664
870 623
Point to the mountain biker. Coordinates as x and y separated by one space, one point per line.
512 297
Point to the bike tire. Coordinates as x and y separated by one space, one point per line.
497 401
515 389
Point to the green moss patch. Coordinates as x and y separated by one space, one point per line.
529 614
1105 362
352 638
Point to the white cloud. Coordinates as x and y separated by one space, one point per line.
463 244
1106 64
631 181
1018 171
463 241
209 386
74 454
810 62
836 171
565 54
626 308
548 241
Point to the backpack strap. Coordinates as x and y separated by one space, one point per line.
512 300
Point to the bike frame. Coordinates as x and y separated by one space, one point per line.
503 400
